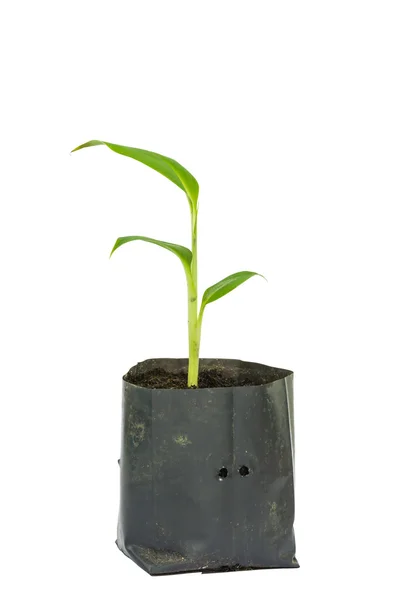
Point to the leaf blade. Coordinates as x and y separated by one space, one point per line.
226 285
164 165
183 253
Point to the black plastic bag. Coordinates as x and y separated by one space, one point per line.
207 474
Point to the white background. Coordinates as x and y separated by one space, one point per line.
288 114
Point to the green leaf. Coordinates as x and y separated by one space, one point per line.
225 286
180 251
164 165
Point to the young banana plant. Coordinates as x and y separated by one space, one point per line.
176 173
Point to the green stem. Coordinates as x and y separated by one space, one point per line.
194 341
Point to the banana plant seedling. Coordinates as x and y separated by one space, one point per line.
176 173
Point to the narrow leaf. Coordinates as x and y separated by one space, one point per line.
225 286
180 251
162 164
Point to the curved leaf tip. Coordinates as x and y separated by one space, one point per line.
88 144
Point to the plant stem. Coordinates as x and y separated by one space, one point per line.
194 341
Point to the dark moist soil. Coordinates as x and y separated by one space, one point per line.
208 378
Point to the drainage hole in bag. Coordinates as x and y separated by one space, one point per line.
222 473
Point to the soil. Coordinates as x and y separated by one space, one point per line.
209 377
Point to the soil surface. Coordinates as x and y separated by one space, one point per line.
209 377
